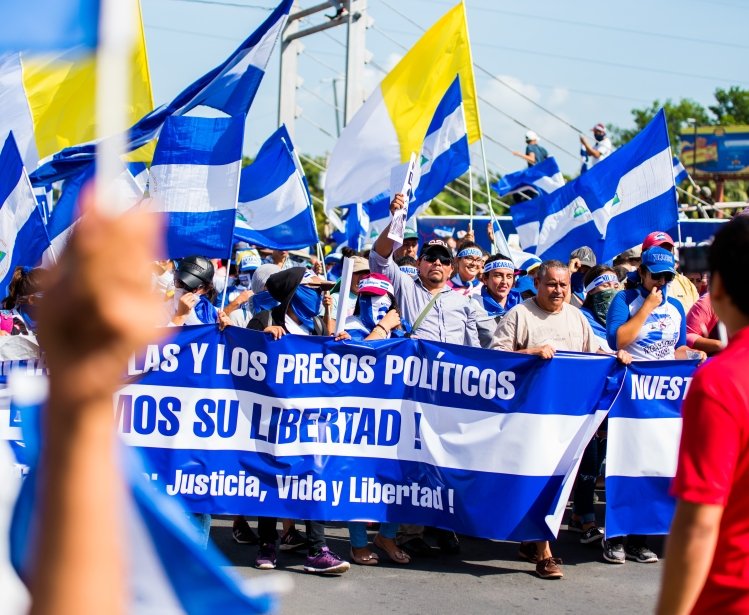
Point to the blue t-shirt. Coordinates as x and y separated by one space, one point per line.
540 152
664 331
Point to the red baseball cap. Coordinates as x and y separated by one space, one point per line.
657 238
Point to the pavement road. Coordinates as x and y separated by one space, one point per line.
486 577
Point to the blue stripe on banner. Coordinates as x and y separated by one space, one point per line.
416 492
66 211
194 140
638 505
211 241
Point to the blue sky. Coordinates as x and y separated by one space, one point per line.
585 61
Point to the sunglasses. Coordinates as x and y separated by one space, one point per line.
431 258
667 276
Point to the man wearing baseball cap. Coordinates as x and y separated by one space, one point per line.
410 245
434 312
600 149
680 288
534 153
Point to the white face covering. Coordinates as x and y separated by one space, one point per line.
178 294
219 281
164 282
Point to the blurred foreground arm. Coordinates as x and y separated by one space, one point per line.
97 311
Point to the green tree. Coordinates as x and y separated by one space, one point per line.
732 106
677 114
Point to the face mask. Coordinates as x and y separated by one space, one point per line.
601 302
599 137
219 281
178 294
372 309
244 280
306 305
164 282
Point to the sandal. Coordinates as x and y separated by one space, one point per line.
365 559
393 553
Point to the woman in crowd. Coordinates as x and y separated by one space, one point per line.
375 318
600 285
651 326
497 295
468 263
17 316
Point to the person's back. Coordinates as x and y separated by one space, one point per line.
706 560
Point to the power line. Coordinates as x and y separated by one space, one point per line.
558 56
599 26
232 4
493 76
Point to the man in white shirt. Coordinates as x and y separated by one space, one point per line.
600 149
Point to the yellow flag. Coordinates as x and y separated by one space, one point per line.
413 89
61 94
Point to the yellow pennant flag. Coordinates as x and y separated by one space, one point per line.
59 91
394 119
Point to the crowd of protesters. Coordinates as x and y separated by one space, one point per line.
641 308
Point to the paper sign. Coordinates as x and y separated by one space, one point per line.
343 297
403 180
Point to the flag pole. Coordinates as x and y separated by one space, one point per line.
116 38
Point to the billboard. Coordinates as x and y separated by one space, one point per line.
720 150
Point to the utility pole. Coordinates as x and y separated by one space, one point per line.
354 18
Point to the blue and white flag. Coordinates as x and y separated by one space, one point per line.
643 445
169 570
230 88
45 25
65 215
611 207
357 226
23 238
444 154
275 208
680 173
444 157
543 178
194 179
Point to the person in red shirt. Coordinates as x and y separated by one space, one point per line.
707 555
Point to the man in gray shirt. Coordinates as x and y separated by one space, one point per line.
452 317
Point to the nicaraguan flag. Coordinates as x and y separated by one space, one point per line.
444 154
611 207
544 178
66 212
230 88
357 226
44 25
194 179
643 445
680 173
23 238
169 570
274 209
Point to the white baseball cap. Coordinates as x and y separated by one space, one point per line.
531 136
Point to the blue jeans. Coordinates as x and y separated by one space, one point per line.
357 531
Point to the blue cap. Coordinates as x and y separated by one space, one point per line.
658 260
525 283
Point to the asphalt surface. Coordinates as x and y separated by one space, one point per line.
486 577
